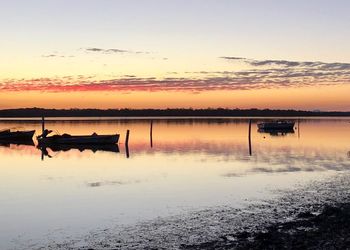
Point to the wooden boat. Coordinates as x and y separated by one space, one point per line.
67 139
287 125
16 135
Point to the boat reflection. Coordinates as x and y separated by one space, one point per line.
113 148
277 132
18 142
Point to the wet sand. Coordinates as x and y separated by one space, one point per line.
315 216
328 230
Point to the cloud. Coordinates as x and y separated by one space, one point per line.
110 183
51 55
55 56
114 51
233 58
295 64
261 75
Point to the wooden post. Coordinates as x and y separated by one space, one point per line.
42 124
298 128
127 137
127 143
151 134
249 137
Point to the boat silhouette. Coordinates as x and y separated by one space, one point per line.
9 135
276 125
67 139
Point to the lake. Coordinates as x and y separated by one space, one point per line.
183 165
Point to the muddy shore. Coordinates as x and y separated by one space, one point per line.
328 230
315 216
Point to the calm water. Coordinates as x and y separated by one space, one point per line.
190 164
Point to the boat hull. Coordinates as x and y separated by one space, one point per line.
276 126
79 140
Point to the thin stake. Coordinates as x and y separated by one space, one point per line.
249 137
151 133
127 137
127 143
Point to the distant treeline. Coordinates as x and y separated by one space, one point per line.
38 112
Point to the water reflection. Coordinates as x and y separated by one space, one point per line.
7 143
114 148
167 166
219 140
277 132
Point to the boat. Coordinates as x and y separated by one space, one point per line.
67 139
278 125
7 134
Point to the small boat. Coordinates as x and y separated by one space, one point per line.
67 139
7 134
278 125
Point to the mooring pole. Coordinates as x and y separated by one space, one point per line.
127 143
127 137
298 128
42 124
151 133
249 137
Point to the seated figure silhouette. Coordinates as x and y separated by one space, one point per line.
44 134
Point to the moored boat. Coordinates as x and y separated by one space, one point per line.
279 125
16 135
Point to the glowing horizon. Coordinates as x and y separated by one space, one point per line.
186 54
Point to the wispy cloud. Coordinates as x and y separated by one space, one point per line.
261 74
291 64
233 58
110 183
56 56
113 51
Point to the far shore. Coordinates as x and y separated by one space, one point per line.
35 113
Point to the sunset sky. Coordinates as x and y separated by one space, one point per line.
180 53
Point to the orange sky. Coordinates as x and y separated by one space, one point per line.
290 55
323 98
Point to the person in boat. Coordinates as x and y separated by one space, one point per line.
45 134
